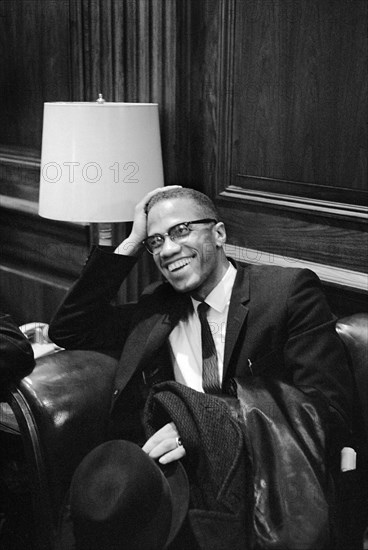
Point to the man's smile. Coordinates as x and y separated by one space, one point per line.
178 264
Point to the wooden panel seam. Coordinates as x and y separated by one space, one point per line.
53 282
297 203
355 280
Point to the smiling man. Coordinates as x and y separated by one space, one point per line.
210 320
192 258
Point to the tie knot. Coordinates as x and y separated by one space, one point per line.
202 309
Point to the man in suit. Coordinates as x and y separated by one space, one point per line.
265 320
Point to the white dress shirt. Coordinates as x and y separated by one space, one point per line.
185 339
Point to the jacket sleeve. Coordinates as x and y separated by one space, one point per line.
86 319
16 354
316 355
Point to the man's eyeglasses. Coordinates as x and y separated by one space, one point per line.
177 233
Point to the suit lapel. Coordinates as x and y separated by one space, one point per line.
238 312
150 332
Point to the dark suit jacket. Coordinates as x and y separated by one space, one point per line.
279 324
16 354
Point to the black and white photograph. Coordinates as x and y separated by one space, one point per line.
183 275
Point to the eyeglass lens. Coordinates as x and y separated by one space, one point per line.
177 232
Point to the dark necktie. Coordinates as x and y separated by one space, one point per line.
210 374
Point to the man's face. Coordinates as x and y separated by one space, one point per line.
197 264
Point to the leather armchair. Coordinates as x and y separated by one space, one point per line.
62 413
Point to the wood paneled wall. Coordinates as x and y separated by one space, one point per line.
285 151
298 164
261 106
300 95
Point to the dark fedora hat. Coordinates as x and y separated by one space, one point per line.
121 499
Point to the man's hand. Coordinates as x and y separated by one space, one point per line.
163 445
132 244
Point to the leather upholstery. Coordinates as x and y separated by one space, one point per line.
62 412
353 331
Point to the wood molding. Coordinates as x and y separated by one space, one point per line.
20 156
293 202
19 205
330 200
58 282
20 172
296 187
328 274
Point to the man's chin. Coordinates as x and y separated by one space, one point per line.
194 288
183 286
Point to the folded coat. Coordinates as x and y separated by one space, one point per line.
256 464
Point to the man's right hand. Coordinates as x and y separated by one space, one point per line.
165 445
132 245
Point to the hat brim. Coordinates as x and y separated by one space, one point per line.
177 479
179 485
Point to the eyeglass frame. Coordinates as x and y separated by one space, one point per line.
167 234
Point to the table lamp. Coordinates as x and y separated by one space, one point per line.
98 160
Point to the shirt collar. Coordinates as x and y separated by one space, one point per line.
220 296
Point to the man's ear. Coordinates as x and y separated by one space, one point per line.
220 234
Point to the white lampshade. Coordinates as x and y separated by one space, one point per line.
98 160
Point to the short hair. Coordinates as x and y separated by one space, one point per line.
200 199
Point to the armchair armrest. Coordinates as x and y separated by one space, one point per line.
353 331
62 412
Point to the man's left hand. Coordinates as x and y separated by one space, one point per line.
165 445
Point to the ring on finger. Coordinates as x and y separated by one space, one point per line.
178 442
